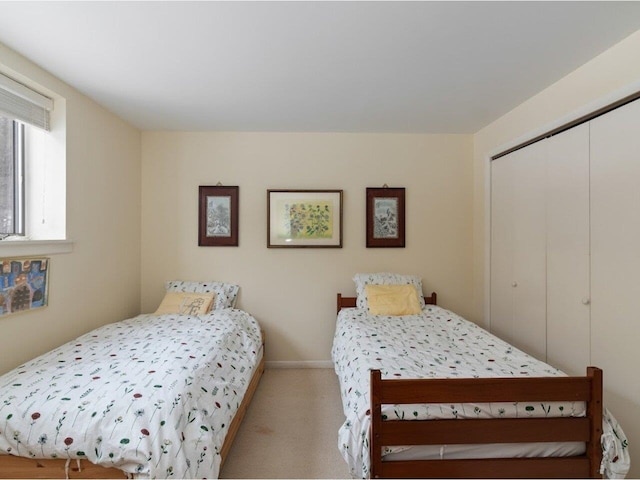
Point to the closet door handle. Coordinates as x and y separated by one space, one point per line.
586 301
514 284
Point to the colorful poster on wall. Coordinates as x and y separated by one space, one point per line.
23 284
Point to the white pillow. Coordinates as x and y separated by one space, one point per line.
226 293
363 279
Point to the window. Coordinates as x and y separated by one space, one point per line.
11 177
32 168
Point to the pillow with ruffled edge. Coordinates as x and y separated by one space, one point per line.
226 293
384 278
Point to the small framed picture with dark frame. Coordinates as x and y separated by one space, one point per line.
218 216
385 217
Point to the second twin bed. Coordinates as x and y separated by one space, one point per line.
490 409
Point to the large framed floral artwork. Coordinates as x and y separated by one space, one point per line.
218 216
385 217
304 218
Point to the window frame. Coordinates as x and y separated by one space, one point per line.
18 159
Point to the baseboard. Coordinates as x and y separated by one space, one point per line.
300 364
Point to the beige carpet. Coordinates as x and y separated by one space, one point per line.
291 428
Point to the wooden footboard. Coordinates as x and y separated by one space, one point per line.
481 431
21 467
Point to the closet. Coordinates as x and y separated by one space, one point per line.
565 241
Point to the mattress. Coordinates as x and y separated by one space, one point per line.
152 395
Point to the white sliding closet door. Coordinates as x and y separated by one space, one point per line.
568 297
502 247
518 222
615 259
529 258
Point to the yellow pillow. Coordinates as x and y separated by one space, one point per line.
393 299
186 303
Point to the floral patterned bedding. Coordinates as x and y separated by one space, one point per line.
152 395
434 344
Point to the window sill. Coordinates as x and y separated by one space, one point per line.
20 248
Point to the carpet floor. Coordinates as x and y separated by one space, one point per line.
291 428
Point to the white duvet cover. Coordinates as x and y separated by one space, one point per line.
435 344
151 395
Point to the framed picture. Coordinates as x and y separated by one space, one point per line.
385 217
218 216
304 218
24 284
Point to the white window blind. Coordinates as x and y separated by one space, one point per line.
21 103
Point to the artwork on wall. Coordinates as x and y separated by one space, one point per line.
23 284
304 218
385 217
218 216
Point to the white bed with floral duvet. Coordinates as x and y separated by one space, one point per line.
152 396
437 343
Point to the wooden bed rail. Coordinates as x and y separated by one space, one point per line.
481 431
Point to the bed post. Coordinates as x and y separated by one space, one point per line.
432 300
346 302
375 449
594 412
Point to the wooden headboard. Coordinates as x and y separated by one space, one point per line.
350 302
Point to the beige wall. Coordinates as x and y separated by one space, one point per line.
607 77
292 291
99 282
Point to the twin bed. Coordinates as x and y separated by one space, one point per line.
430 394
156 396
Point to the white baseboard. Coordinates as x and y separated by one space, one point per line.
300 364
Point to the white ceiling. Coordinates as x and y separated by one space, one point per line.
433 67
